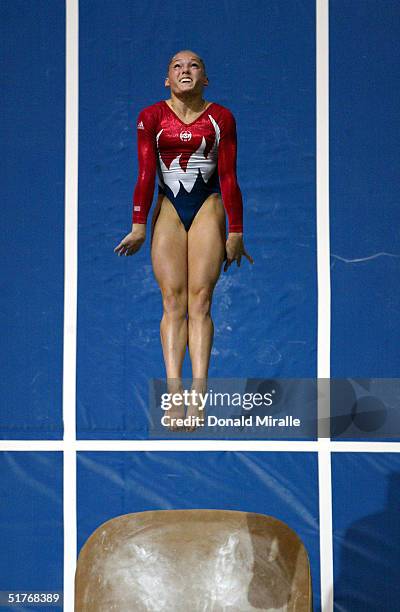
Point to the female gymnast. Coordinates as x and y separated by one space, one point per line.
191 144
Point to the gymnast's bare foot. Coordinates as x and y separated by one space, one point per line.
195 411
175 415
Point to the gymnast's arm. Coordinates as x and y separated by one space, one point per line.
144 189
230 191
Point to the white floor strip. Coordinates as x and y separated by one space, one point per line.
365 447
325 525
197 445
31 445
70 299
324 304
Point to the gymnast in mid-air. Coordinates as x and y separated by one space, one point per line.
191 145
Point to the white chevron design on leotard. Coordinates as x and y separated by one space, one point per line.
174 176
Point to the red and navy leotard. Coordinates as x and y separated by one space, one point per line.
192 161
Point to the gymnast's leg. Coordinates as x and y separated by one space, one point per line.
169 257
206 252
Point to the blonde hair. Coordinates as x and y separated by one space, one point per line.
188 51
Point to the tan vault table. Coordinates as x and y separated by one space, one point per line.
193 561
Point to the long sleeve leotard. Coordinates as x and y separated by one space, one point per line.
192 161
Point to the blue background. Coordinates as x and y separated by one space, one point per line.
32 49
31 523
366 531
261 64
364 200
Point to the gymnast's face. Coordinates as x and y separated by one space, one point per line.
186 74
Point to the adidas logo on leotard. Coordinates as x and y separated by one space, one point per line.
140 125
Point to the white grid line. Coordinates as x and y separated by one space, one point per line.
70 298
324 305
146 446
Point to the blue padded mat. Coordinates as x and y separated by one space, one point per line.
31 524
366 531
32 48
261 64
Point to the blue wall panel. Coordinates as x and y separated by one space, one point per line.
261 64
365 213
366 531
32 48
31 523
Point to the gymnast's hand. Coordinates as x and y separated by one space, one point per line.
235 250
132 241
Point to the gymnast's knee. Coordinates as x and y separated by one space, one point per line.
175 303
199 303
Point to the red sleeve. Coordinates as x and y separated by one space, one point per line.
230 191
147 158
